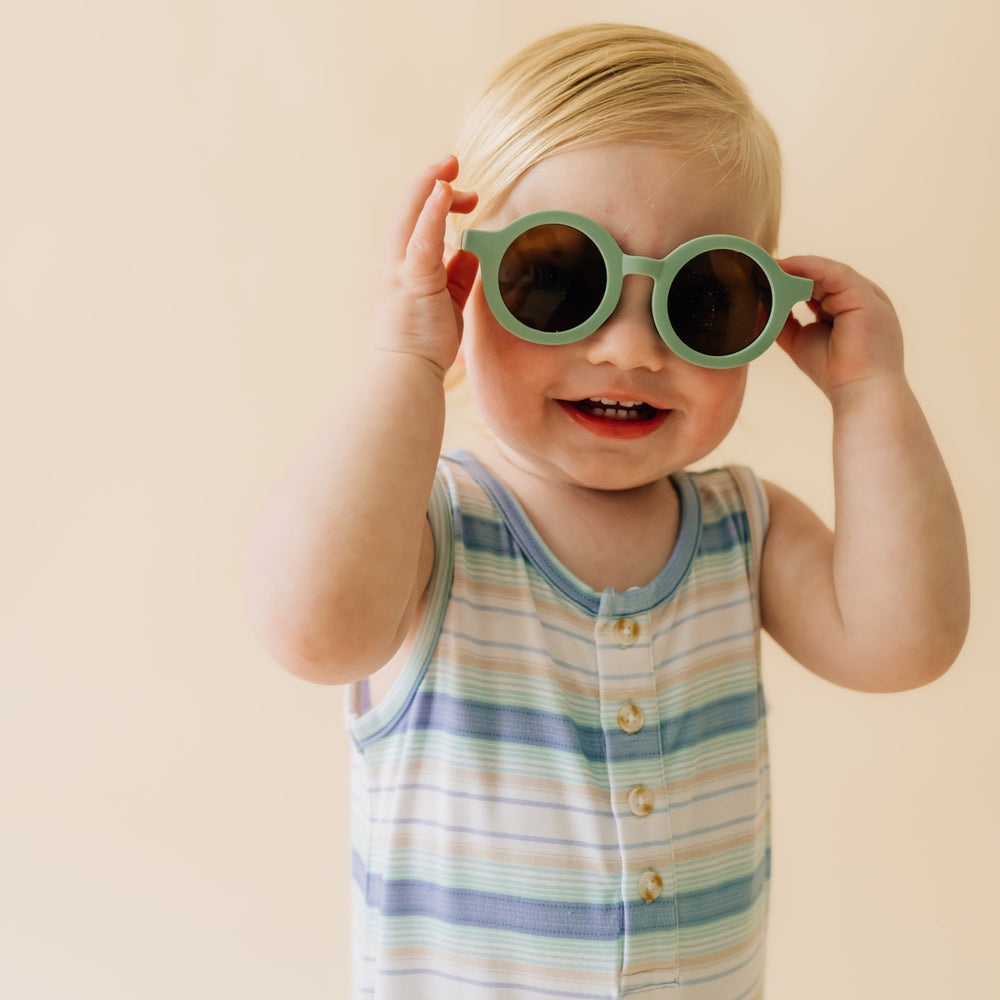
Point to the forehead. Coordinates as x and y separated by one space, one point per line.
650 198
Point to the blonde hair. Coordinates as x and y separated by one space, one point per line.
617 83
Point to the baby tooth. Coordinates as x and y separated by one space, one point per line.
605 401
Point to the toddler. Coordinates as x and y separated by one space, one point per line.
560 780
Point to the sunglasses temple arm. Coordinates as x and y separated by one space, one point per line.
790 291
472 242
801 289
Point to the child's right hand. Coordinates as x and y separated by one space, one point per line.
420 309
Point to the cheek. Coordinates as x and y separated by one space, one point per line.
487 362
500 365
722 394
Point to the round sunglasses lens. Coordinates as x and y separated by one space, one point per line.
552 278
719 302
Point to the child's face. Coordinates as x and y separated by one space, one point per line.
534 397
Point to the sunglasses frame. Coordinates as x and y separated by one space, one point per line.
491 245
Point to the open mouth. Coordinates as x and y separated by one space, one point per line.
630 411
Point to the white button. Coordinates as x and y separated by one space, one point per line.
650 885
626 631
630 717
640 800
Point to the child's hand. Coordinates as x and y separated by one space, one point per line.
882 602
855 334
420 308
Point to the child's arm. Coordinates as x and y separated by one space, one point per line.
881 603
343 551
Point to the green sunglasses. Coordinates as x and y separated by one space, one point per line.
555 277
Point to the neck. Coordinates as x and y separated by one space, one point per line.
614 539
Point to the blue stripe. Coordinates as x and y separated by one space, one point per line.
731 532
479 534
435 710
556 918
718 718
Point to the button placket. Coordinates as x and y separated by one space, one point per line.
635 769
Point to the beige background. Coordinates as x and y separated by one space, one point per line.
191 196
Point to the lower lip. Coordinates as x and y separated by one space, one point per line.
623 430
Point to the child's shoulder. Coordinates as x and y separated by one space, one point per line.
729 488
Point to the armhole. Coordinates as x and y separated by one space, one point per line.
366 722
755 504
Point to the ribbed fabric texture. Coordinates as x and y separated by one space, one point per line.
566 792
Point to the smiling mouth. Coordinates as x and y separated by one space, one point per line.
631 411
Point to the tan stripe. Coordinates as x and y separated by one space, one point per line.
496 967
500 661
599 863
718 960
702 850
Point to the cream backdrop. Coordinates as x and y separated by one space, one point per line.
192 194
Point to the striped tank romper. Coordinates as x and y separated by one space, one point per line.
566 792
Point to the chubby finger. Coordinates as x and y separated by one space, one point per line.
837 288
461 269
416 199
463 202
854 332
424 252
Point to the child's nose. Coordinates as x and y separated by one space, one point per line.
629 339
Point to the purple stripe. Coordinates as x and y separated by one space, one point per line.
452 793
516 725
555 918
502 835
537 990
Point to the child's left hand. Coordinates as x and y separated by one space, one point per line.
855 334
882 602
